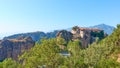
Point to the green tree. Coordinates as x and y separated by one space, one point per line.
9 63
44 54
75 60
75 28
107 63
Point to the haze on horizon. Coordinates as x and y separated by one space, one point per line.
19 16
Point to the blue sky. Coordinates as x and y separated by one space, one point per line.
17 16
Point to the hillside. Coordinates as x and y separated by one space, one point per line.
49 54
12 47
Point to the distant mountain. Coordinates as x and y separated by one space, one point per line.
39 35
34 35
107 29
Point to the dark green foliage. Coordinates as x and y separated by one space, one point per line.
100 34
75 28
118 26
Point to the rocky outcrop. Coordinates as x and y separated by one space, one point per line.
85 35
65 34
12 48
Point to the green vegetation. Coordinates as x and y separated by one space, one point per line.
100 34
9 63
47 53
75 28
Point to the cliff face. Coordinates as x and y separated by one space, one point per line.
65 34
12 48
85 35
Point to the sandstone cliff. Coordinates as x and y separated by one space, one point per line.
12 48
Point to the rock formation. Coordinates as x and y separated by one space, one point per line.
85 35
65 34
12 48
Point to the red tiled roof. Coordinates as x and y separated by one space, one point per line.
91 29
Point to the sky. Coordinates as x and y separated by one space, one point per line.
20 16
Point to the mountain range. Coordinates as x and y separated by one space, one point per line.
107 28
39 35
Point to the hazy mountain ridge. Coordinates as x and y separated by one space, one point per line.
39 35
107 28
34 35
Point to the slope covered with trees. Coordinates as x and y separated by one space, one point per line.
48 54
